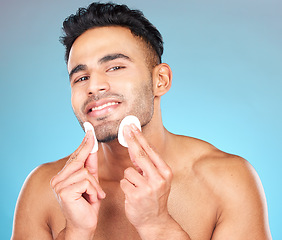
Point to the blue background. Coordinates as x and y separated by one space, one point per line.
227 88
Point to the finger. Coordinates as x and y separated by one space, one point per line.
78 191
127 187
138 155
80 176
161 165
76 160
91 164
134 177
82 144
82 152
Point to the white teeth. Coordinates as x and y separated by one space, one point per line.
103 106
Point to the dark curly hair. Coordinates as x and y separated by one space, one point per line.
110 14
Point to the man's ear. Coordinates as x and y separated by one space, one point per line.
162 77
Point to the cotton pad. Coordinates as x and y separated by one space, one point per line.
127 121
88 126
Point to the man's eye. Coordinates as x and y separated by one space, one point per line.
115 68
81 79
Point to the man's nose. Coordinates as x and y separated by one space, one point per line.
97 84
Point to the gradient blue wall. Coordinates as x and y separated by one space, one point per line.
227 89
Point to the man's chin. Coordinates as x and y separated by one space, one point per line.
107 139
107 131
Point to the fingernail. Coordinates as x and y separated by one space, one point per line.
128 130
102 195
133 127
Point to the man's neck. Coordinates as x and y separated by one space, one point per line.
114 158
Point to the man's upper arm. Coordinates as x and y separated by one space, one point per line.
243 214
30 220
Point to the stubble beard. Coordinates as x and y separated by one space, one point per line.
142 107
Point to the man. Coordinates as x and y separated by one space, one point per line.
163 186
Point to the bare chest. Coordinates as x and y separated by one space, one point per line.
194 207
189 204
112 223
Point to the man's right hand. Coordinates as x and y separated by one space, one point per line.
78 191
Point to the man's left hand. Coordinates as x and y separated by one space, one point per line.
147 186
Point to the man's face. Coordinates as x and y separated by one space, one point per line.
110 79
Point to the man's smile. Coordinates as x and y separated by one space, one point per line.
101 107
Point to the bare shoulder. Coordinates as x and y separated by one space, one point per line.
229 175
234 184
221 168
218 167
38 180
35 200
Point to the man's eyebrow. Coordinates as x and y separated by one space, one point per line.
107 58
80 67
114 56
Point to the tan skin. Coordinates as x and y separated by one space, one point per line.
163 186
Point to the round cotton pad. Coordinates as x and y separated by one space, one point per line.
127 121
88 126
